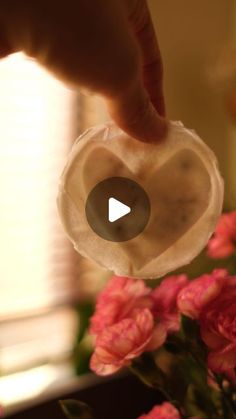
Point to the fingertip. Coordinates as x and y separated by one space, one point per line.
159 130
136 115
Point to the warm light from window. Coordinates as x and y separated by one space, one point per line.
30 384
35 135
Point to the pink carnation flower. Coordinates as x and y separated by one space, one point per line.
165 301
124 341
218 329
212 300
222 244
164 411
119 300
131 318
198 293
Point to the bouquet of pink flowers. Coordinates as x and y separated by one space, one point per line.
179 337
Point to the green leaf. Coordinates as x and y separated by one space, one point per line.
194 344
82 352
74 409
81 357
177 380
85 311
192 407
147 370
190 328
174 345
200 394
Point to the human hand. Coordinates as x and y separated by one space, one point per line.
106 46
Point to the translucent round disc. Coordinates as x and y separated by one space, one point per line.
138 209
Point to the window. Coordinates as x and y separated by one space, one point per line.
39 270
37 126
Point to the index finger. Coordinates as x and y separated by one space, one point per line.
152 67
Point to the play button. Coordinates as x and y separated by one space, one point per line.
117 209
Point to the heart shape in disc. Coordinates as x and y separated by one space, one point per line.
180 178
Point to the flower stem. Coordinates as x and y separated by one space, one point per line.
227 402
146 369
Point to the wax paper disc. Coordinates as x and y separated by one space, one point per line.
175 184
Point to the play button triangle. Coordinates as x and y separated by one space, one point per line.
116 209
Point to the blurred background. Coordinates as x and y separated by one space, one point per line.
47 290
